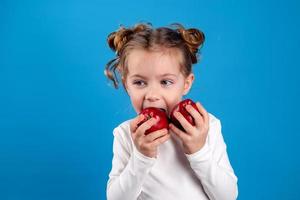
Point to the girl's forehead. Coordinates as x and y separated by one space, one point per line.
143 61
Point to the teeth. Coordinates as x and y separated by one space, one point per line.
163 109
156 107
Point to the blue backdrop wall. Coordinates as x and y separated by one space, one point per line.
57 110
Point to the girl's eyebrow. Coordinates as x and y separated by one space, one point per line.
168 74
137 76
143 77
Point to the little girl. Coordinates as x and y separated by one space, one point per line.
155 66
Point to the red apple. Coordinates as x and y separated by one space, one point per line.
180 107
150 112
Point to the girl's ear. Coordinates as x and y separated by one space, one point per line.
124 84
188 83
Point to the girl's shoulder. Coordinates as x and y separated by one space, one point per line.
123 130
123 126
213 119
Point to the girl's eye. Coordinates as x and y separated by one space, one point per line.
139 83
166 82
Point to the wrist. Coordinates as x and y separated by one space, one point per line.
193 149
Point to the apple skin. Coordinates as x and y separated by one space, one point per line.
180 107
150 112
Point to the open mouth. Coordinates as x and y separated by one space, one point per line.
163 109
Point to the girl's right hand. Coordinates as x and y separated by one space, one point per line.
147 144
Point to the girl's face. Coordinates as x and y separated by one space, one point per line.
154 79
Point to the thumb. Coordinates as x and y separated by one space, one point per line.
134 123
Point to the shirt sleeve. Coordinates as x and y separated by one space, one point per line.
211 165
129 169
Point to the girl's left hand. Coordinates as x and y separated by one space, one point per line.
195 136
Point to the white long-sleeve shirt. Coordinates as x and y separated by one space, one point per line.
206 174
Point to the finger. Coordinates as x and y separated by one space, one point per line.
134 123
145 126
160 140
156 134
203 112
179 133
196 115
184 123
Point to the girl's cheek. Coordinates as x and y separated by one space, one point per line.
137 101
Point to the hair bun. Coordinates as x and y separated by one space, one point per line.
116 40
193 38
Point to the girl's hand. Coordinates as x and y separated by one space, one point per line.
147 144
195 136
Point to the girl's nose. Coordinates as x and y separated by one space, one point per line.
152 95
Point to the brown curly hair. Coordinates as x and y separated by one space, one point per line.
144 36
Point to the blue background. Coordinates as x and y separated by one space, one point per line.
57 109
